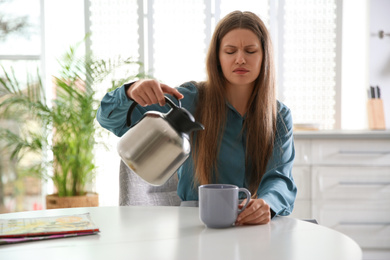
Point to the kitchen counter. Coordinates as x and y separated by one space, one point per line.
343 134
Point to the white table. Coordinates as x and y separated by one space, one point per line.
177 233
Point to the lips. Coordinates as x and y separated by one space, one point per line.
240 71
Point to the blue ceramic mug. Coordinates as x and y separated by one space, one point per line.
218 204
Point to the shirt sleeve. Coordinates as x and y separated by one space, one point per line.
113 110
114 106
277 186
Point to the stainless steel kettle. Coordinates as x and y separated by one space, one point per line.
158 144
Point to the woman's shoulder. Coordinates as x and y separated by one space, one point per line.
284 117
282 108
190 91
189 87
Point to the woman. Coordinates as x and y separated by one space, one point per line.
248 139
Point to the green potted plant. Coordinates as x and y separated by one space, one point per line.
64 128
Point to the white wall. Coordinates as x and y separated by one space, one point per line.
379 69
354 74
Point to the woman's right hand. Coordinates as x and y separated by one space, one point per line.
149 91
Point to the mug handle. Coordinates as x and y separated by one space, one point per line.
248 198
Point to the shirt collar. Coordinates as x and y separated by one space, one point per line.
230 106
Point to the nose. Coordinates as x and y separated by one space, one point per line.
240 59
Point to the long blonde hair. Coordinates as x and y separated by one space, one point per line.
260 122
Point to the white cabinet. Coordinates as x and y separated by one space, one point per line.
351 152
302 178
355 201
302 152
351 183
343 182
366 222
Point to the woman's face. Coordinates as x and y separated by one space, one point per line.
240 56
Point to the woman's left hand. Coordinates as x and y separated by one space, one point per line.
257 212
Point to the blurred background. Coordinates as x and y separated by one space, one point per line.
328 53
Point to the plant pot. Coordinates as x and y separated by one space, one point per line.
55 202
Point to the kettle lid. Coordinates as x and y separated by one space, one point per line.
178 117
181 119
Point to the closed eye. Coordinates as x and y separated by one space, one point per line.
230 50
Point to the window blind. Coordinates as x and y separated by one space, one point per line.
309 61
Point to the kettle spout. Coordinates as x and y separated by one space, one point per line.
190 126
183 121
195 126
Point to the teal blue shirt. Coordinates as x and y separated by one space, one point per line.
277 186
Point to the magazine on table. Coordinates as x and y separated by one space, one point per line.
41 228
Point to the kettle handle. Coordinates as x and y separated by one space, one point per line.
130 111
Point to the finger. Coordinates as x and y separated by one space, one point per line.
145 98
159 94
140 100
243 203
137 93
172 91
246 212
261 221
256 211
150 96
258 217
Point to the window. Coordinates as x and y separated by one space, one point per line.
178 41
20 51
307 71
171 38
20 36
